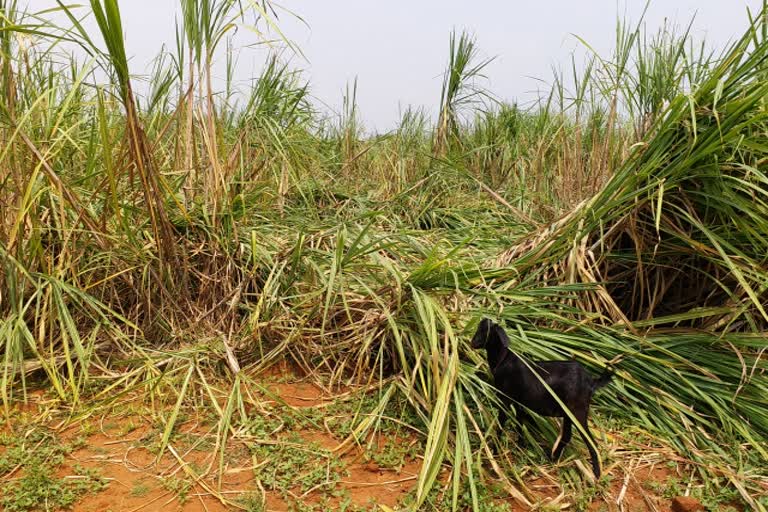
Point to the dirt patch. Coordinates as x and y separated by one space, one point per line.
300 394
368 482
686 504
289 385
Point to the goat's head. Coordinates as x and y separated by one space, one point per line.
487 331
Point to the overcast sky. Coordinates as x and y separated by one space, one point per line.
397 49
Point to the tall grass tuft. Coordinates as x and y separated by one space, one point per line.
460 89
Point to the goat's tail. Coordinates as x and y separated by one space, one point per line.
601 381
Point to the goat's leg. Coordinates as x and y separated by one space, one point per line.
503 411
589 441
564 439
522 416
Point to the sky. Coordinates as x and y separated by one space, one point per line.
397 49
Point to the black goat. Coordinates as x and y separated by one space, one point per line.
515 380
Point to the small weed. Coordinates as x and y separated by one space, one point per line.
262 426
585 493
584 498
88 428
672 488
180 487
140 489
127 428
252 503
393 454
371 506
75 444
